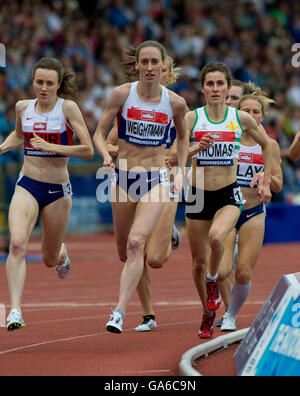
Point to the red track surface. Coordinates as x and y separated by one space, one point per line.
65 319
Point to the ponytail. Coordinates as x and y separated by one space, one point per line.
67 87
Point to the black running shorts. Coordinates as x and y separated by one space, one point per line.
203 204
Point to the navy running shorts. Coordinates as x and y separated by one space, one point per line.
45 193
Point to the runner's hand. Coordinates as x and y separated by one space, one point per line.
258 179
113 150
206 142
40 144
264 192
108 162
178 182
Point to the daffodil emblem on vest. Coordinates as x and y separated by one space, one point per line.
232 126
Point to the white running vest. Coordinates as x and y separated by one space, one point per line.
51 127
250 162
143 123
227 138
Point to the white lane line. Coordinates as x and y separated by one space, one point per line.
68 339
31 346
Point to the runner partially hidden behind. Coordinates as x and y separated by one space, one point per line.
251 223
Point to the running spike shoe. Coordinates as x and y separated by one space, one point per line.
207 326
176 238
15 320
229 322
147 324
214 299
64 269
115 323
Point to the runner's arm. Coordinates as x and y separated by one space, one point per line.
276 177
250 126
12 142
15 139
111 141
114 103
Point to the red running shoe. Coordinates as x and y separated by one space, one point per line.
214 299
207 326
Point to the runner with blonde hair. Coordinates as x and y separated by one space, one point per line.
237 90
251 224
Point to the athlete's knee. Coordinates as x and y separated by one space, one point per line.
18 247
155 261
215 240
135 245
49 259
243 276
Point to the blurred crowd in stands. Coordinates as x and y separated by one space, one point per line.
253 37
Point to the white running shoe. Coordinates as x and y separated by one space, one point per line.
114 325
64 269
147 325
229 322
15 320
176 238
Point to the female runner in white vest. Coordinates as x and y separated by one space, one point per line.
223 201
251 224
145 110
162 241
45 126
